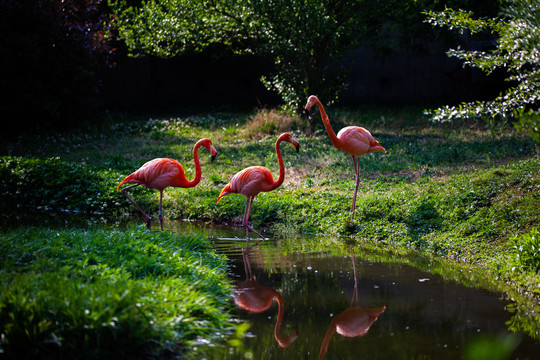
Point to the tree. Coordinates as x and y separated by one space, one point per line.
49 53
516 51
310 39
307 39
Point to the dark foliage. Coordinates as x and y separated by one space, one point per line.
49 53
55 184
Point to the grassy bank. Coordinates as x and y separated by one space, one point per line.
104 294
466 191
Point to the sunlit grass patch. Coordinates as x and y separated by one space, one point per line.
271 122
64 293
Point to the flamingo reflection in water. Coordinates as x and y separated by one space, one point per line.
353 321
256 298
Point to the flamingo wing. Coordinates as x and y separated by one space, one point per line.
355 321
157 174
248 182
253 297
358 141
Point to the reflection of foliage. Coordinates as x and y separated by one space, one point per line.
490 348
516 52
525 319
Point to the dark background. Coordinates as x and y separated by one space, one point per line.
58 70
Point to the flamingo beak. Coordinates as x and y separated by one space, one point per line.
213 157
297 147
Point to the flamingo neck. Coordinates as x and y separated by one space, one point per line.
197 177
281 177
326 122
327 337
283 341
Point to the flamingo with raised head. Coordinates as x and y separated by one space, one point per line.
253 180
353 321
161 173
354 140
256 298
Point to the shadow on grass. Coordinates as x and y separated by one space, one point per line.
423 220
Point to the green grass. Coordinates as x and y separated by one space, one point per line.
99 294
439 186
464 191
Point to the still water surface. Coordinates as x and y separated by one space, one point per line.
336 304
339 303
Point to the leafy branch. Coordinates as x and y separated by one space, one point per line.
517 52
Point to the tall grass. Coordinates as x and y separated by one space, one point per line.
104 294
270 122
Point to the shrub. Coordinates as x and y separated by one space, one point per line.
55 184
526 249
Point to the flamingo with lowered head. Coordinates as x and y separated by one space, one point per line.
255 179
354 140
161 173
256 298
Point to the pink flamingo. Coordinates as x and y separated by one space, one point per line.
253 180
353 321
161 173
354 140
254 297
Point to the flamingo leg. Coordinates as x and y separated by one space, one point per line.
355 293
160 210
249 203
146 217
247 266
357 173
251 228
245 221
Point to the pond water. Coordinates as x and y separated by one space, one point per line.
337 301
